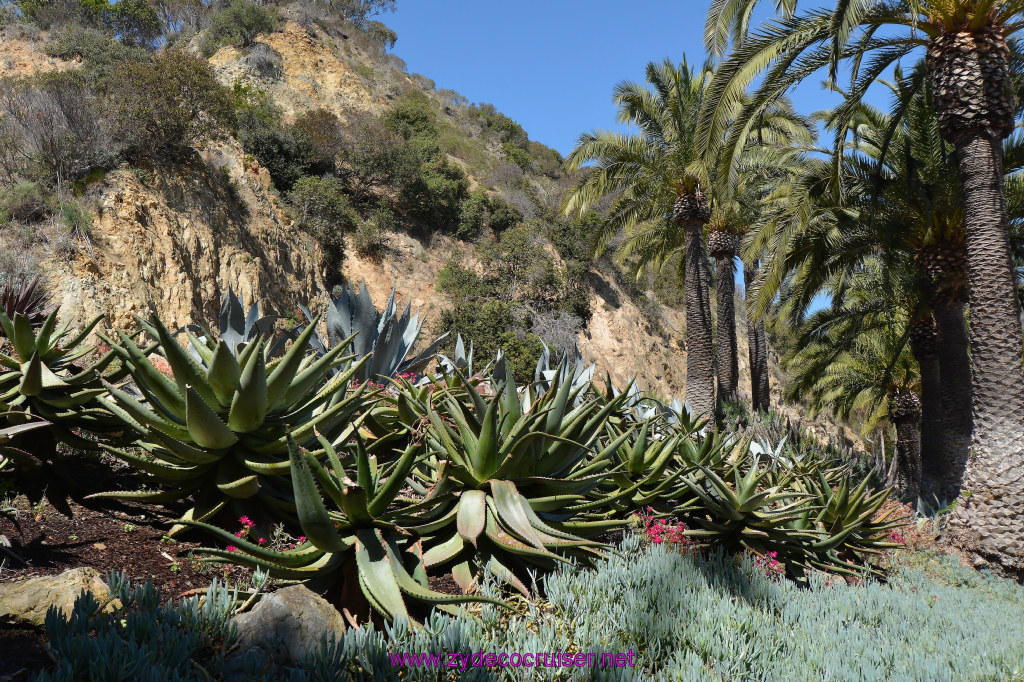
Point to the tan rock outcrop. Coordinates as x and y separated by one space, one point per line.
27 601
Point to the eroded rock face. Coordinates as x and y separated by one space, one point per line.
287 623
26 601
172 243
316 73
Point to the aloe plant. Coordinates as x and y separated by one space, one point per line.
361 553
217 431
521 465
45 377
353 322
809 519
649 470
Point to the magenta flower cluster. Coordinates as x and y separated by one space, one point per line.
658 531
247 525
897 538
770 565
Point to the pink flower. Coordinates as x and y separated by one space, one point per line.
239 533
232 548
302 538
246 521
262 541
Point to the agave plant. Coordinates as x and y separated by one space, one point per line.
567 370
521 465
217 430
28 300
353 321
236 327
361 553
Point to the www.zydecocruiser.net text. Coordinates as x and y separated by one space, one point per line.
481 659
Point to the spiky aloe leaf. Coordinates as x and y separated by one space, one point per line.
203 424
249 405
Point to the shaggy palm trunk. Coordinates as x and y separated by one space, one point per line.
722 247
906 417
757 347
691 213
955 377
924 344
974 101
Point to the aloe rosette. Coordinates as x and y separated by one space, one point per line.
812 520
217 430
45 376
649 470
521 466
361 552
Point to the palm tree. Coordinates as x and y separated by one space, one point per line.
852 359
967 62
773 157
662 205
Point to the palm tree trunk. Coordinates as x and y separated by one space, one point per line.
992 516
924 345
907 418
728 361
757 347
700 354
956 391
973 96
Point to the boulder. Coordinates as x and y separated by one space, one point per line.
287 623
26 601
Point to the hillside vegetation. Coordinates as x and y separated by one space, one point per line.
306 156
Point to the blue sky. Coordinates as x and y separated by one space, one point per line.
552 65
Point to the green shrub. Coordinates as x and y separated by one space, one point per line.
503 215
25 202
134 22
479 211
318 137
375 157
516 155
463 284
166 105
436 196
97 49
413 116
237 24
493 326
474 215
322 209
50 14
260 130
378 31
372 236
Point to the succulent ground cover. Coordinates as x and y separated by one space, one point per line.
685 615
